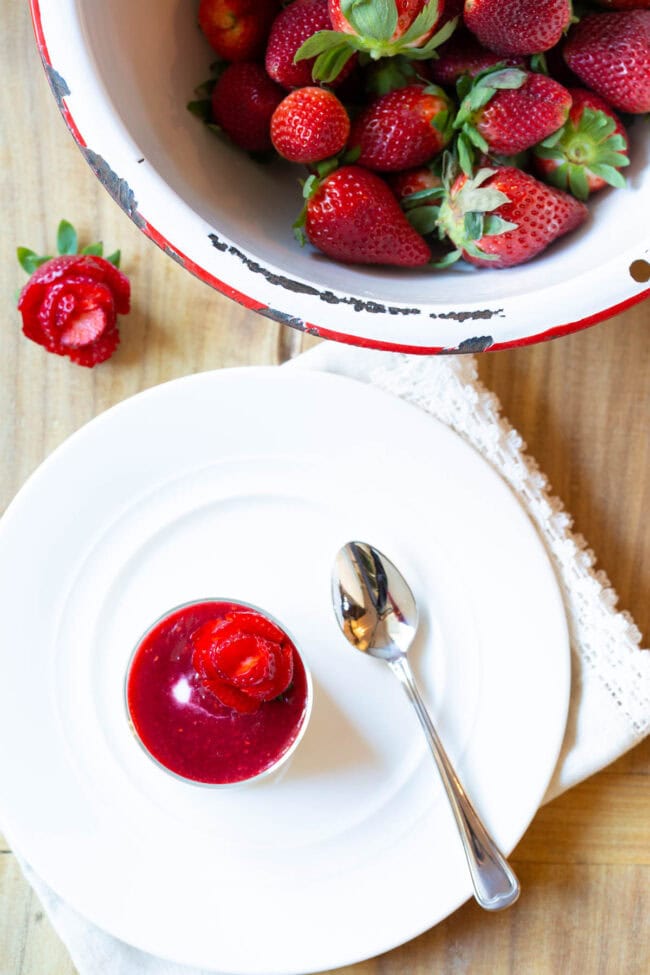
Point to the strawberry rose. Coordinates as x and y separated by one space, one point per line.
243 659
71 302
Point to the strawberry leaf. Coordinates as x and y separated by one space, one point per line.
428 50
66 238
298 227
115 258
578 182
465 154
494 225
201 107
447 260
423 23
473 225
424 219
350 156
475 137
428 195
321 41
96 250
205 89
609 174
374 19
607 158
330 63
538 63
504 78
310 186
553 139
475 251
442 122
28 260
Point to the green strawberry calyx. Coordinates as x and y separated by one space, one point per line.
374 24
475 93
67 243
591 146
467 215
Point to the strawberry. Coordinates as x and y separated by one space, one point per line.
242 659
309 124
243 102
518 26
237 29
71 302
290 29
420 180
352 216
401 18
403 129
506 111
379 28
610 53
503 217
463 54
588 152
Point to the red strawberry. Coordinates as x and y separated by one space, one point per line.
310 124
380 29
503 217
406 13
291 28
243 101
507 111
242 659
419 192
610 53
518 26
70 304
463 54
237 29
419 180
352 216
589 150
403 129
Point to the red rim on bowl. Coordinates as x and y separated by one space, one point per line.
470 324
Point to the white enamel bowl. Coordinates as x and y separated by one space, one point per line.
122 73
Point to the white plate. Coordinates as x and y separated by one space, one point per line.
244 483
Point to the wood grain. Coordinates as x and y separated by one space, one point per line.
583 405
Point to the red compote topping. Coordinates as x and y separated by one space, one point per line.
217 692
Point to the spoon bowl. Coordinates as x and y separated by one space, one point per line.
373 603
378 615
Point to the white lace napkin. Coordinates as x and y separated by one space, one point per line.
610 697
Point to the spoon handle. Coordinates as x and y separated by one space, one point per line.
495 884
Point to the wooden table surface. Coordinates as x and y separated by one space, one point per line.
583 405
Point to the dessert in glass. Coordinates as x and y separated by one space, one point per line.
217 693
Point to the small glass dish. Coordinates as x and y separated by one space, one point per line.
187 731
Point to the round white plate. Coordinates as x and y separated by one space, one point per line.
244 483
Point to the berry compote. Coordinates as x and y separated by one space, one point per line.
217 692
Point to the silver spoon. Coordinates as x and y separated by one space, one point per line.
377 612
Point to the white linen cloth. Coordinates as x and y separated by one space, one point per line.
609 710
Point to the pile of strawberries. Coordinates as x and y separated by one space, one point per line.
433 130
